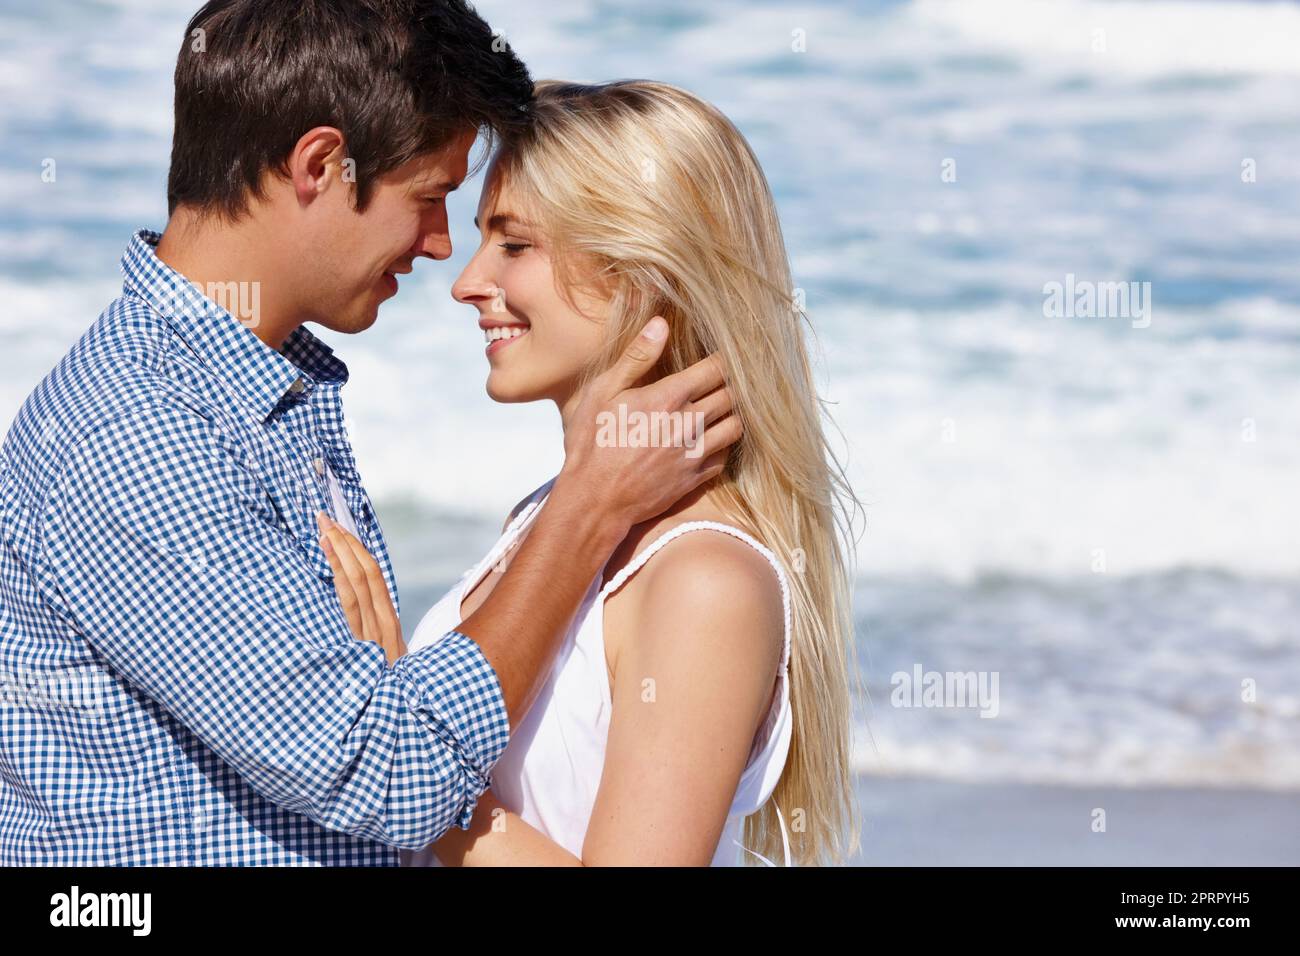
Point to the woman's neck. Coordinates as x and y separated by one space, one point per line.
566 404
702 504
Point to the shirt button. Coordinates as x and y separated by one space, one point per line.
319 465
297 386
199 821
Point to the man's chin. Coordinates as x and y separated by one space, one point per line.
366 321
352 324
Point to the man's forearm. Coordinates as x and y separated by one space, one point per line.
520 624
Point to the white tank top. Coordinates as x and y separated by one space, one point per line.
551 768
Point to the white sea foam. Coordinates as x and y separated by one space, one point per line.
1173 679
1136 37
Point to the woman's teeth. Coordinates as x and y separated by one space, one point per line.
503 332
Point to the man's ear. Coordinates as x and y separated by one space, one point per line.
317 163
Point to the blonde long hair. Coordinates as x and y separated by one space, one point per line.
652 198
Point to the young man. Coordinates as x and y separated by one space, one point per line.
184 687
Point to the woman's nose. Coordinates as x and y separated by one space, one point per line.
470 287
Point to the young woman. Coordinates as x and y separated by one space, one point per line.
700 701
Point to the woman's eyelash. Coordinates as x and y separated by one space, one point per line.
514 248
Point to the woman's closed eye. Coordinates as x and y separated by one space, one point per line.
515 248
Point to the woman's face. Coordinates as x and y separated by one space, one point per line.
536 341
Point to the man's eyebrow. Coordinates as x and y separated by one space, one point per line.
450 186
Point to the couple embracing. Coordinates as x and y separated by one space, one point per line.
650 666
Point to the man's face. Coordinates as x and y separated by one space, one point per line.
357 256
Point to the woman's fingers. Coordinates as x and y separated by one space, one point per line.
370 630
386 616
370 569
347 595
362 590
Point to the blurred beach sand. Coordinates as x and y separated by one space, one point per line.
924 822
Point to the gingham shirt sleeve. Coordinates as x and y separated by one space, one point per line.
163 550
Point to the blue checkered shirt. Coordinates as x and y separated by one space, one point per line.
178 684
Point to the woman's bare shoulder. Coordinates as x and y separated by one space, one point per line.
706 585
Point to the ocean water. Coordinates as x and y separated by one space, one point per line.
1102 510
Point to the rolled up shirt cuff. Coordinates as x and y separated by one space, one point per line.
462 700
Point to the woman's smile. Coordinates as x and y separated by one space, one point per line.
500 334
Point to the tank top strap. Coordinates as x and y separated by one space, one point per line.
508 539
531 505
638 562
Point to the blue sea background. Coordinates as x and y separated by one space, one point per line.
1003 457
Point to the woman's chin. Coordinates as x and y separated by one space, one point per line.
501 389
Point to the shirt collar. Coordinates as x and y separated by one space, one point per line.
262 376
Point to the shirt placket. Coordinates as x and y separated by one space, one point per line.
298 454
326 414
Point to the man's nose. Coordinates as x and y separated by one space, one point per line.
435 245
435 234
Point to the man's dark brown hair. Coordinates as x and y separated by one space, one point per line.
399 78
